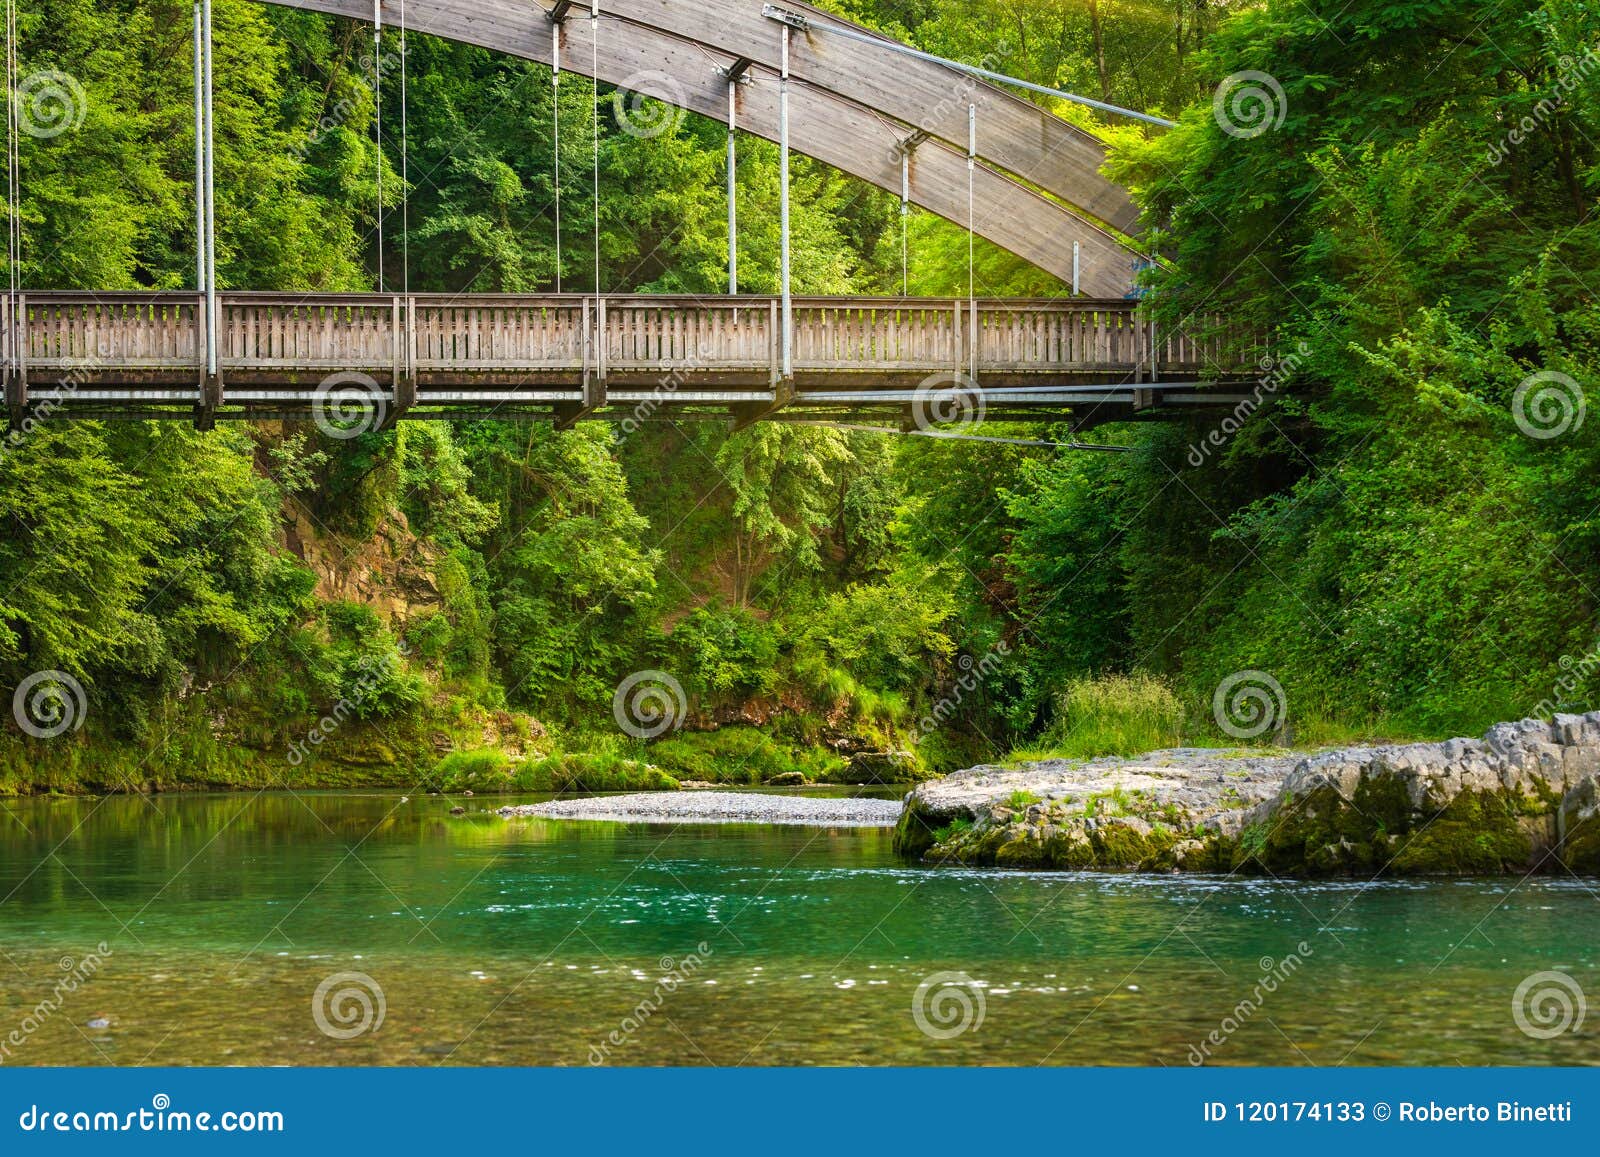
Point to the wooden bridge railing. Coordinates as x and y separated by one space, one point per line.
292 340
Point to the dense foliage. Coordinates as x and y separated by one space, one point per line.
1380 535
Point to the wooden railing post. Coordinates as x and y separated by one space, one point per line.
960 360
775 354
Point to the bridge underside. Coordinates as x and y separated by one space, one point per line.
1083 407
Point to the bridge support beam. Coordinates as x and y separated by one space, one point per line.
747 414
569 414
205 414
16 398
405 400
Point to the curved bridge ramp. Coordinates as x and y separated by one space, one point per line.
851 107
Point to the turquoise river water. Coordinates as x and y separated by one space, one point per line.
471 941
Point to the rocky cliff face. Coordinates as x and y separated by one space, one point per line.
1525 797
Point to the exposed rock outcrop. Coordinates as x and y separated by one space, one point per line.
1524 797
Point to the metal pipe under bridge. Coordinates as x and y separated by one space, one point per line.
570 357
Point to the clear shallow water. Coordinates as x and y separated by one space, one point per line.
531 942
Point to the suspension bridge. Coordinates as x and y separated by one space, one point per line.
935 132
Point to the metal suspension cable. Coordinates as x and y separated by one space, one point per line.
555 143
199 153
808 24
972 166
211 200
13 338
973 329
377 101
905 220
405 160
13 168
594 72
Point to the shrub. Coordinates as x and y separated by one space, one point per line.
1115 715
482 769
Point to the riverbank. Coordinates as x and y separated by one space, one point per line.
1525 797
717 807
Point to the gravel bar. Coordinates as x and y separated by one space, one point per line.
717 807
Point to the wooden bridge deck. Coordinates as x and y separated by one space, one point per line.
143 355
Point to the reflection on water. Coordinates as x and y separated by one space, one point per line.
533 942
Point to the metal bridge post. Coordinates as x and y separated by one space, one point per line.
568 414
401 385
211 381
17 367
783 209
199 155
733 188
